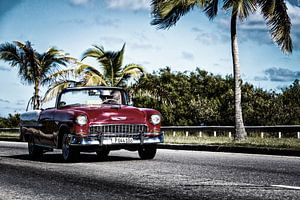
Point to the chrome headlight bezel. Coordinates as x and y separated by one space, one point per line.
155 119
81 120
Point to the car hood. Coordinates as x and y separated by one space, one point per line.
113 114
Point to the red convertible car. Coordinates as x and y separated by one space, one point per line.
92 119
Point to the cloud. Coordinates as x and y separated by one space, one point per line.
74 21
21 103
187 55
128 4
107 22
261 78
98 21
197 30
281 74
294 2
79 2
4 101
112 40
294 13
6 6
2 68
210 38
141 46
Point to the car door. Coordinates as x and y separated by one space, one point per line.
47 127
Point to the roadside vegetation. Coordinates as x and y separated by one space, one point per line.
12 121
201 98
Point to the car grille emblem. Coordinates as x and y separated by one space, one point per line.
118 118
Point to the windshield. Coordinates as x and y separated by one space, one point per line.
91 97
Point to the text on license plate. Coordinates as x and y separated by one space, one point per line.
121 140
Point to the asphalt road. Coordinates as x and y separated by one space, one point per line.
171 175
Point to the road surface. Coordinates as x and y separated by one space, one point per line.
171 175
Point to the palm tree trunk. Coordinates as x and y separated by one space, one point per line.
240 132
36 97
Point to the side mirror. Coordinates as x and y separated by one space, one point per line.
61 104
130 102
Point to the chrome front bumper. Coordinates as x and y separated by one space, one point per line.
109 139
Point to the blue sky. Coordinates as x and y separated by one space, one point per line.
75 25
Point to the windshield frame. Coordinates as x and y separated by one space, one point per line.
124 95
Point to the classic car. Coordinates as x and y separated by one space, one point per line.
92 119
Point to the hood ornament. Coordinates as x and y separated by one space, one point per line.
118 118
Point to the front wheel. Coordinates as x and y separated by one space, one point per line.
147 152
68 153
34 151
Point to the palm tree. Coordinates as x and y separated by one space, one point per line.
34 67
166 13
112 73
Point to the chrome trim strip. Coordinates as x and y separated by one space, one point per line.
106 140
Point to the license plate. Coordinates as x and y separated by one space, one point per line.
121 140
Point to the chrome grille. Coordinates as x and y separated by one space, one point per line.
118 128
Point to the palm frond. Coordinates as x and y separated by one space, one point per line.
106 62
95 52
118 61
56 88
93 79
130 71
267 6
9 53
49 65
211 9
29 70
242 7
167 13
54 55
20 44
133 68
59 76
278 22
91 76
82 69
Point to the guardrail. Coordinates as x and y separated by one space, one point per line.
280 130
9 130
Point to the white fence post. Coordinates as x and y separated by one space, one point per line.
279 134
298 135
215 133
186 134
200 133
229 134
174 133
262 134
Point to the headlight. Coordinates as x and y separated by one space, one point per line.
155 119
81 120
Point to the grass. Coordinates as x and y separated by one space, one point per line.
10 135
282 143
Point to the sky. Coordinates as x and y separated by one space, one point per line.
75 25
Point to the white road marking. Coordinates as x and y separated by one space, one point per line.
287 186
